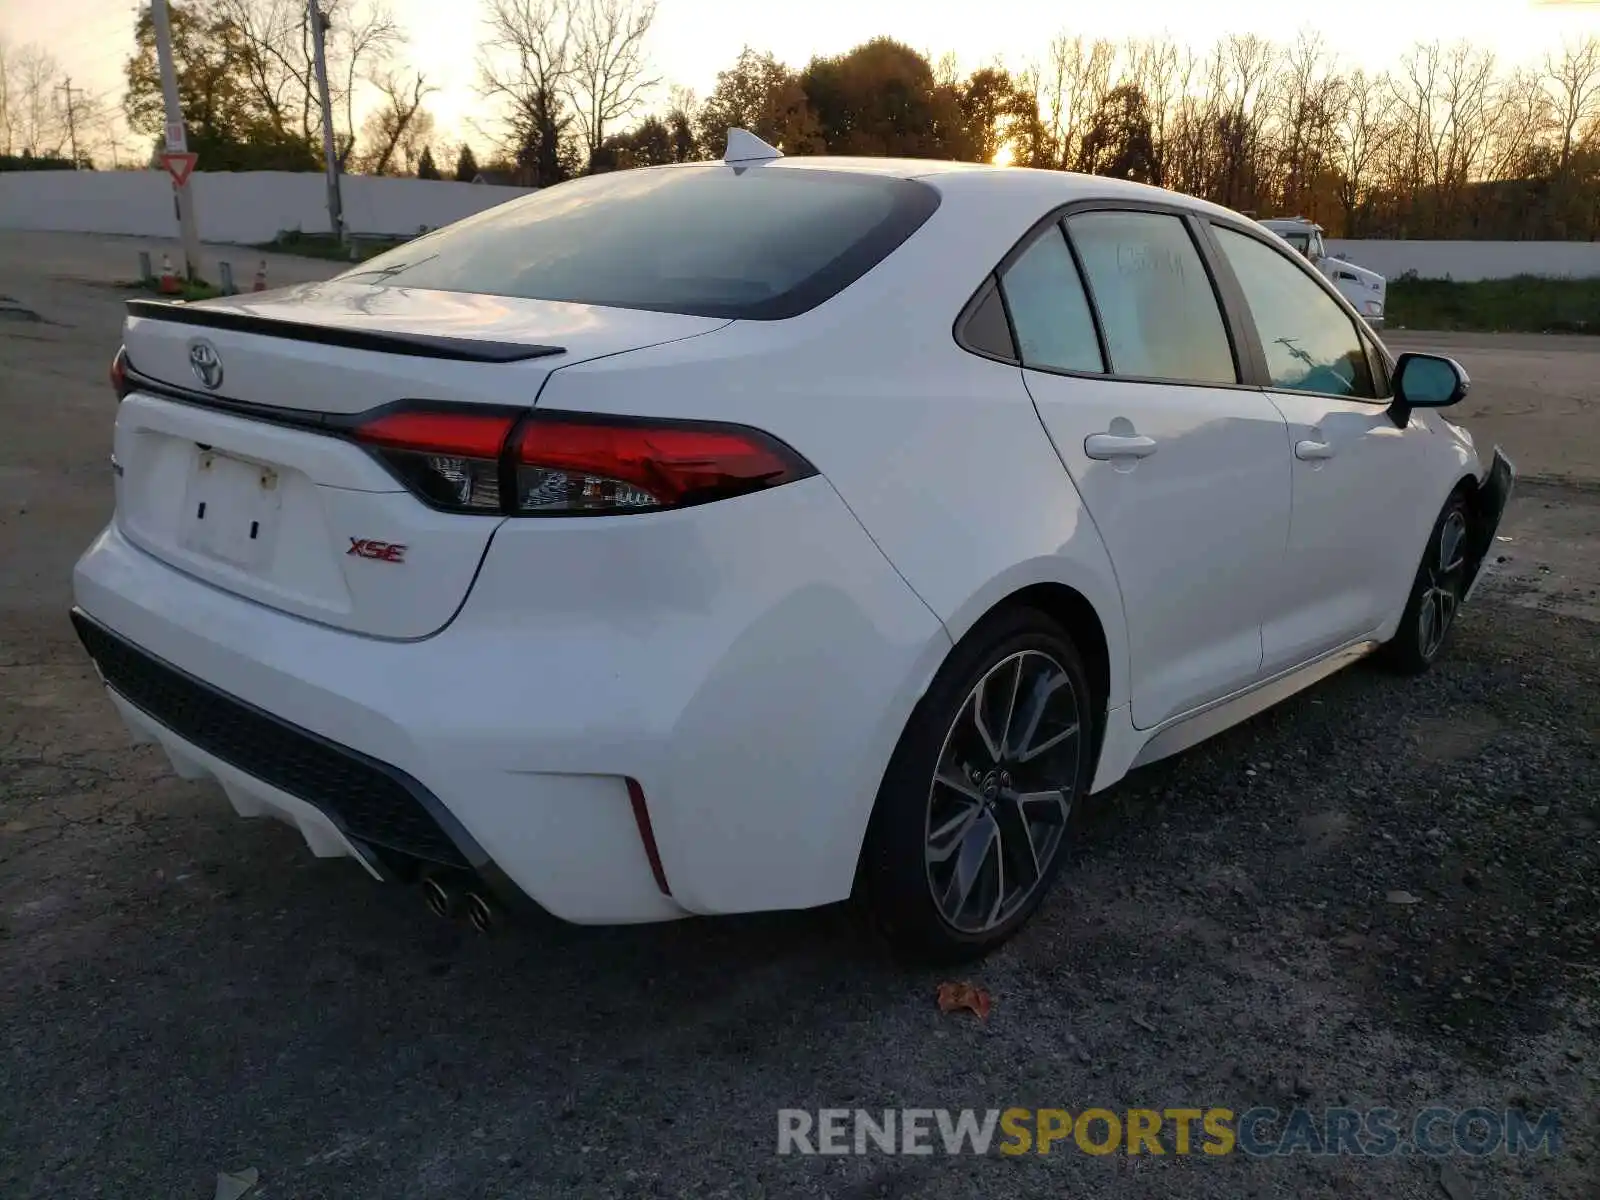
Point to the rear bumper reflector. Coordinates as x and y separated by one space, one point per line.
647 835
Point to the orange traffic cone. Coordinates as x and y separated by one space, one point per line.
169 278
260 284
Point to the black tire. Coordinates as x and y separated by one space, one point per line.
1436 592
1016 801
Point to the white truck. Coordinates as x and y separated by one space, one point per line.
1365 289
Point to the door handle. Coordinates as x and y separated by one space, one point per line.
1115 445
1309 451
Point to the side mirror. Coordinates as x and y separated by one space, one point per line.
1426 381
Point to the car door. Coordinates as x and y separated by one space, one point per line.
1353 469
1183 471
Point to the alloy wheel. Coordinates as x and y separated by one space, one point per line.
1442 586
1002 791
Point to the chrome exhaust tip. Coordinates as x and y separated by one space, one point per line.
482 914
440 897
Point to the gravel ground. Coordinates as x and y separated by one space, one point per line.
184 993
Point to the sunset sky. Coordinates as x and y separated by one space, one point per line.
693 39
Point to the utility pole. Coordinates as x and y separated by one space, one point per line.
319 26
177 139
72 122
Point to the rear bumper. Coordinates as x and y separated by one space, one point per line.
273 765
754 694
347 803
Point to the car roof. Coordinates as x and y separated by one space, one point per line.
1050 188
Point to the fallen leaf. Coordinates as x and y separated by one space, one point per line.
955 996
231 1186
1452 1184
1403 898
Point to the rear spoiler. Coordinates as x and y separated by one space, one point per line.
418 345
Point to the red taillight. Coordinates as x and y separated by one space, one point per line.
119 373
473 435
565 464
450 458
573 464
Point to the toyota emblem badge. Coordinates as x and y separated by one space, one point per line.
207 365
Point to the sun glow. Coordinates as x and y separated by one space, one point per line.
1003 157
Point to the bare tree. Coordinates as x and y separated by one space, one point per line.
1309 101
1522 118
31 119
610 73
1156 67
1574 83
362 45
1467 116
1081 78
277 61
7 115
274 59
1362 135
1187 152
399 126
1417 158
527 62
1239 73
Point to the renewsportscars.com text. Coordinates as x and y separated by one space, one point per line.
1216 1131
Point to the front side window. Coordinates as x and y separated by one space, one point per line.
708 240
1156 303
1310 342
1049 311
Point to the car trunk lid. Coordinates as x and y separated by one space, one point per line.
234 462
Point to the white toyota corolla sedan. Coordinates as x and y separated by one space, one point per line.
754 534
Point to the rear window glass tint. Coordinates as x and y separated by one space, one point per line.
1054 326
756 243
986 330
1159 314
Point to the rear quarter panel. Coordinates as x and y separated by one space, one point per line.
938 454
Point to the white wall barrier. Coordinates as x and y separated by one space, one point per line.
246 207
249 207
1469 261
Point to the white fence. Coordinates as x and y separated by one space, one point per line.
245 207
255 206
1468 261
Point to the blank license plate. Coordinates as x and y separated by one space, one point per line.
232 509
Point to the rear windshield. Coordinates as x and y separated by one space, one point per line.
758 243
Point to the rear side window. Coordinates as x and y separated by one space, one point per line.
1157 307
1049 311
759 243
